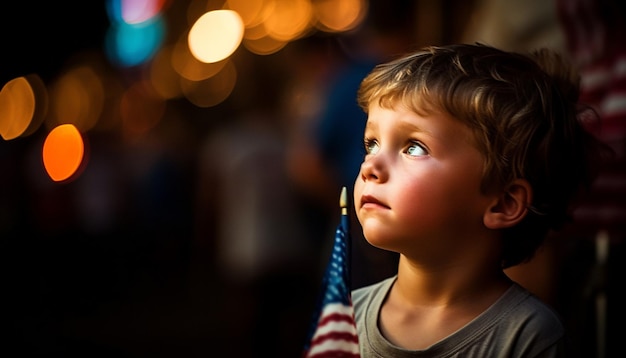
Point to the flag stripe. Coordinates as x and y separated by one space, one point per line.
335 354
335 347
334 321
348 337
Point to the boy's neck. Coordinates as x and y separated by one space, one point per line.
450 285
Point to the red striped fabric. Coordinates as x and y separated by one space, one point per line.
336 334
595 31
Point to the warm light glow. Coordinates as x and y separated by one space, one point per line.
190 67
290 19
63 152
196 8
162 76
339 15
76 98
212 91
252 12
41 103
264 46
17 106
216 35
255 32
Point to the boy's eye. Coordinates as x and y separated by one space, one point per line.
371 146
416 149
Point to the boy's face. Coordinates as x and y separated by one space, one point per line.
419 186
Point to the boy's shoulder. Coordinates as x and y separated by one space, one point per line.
520 305
374 289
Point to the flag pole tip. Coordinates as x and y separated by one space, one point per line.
343 199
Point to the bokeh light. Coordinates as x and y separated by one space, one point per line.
138 11
339 15
266 45
161 56
189 67
76 97
129 45
290 19
213 90
17 106
162 76
42 103
63 151
216 35
252 12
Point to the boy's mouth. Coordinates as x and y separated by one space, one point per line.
373 201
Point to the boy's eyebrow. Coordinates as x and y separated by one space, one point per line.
404 126
410 127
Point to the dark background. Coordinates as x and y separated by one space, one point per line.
38 37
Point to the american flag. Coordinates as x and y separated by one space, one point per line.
333 333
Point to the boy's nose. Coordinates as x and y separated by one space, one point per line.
372 169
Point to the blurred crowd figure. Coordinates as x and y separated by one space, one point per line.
254 224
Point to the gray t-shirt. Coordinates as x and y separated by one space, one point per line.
518 324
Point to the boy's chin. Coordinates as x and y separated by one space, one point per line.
380 242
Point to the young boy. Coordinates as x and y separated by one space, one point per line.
472 155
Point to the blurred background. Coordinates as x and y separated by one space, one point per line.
171 170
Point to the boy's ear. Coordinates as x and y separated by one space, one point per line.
510 207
